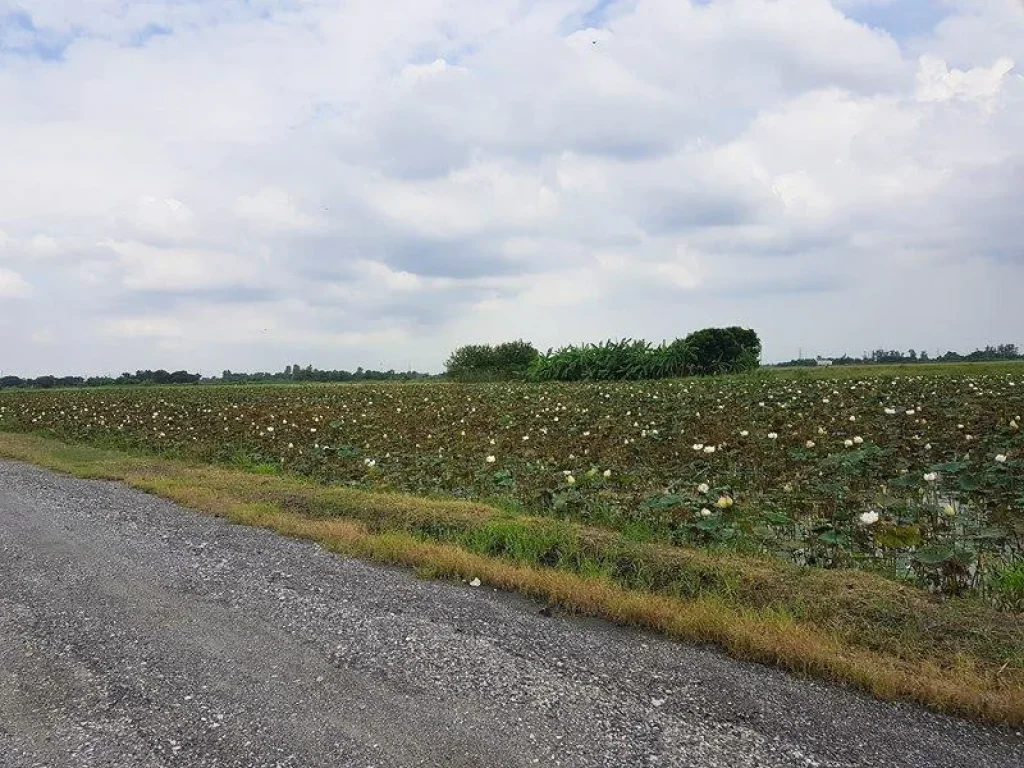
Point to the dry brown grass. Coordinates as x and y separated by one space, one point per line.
890 640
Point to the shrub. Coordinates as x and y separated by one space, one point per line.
610 360
484 362
512 358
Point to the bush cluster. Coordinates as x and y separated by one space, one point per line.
707 352
484 362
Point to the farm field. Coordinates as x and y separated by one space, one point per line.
918 476
866 527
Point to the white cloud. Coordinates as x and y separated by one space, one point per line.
272 208
237 185
141 328
162 218
936 82
42 336
677 274
382 276
44 245
483 198
13 285
151 268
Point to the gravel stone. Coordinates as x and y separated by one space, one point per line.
134 632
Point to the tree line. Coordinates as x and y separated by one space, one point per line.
297 372
161 377
707 352
997 353
139 377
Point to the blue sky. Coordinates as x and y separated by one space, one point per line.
19 36
902 19
239 185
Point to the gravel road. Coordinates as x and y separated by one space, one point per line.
136 633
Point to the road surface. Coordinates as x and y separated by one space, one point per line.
136 633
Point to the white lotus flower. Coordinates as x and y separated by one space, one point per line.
703 488
858 440
744 433
490 459
810 443
709 449
868 518
607 473
848 443
931 477
705 512
1001 458
773 435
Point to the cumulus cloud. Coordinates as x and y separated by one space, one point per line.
13 285
271 208
981 85
141 328
228 185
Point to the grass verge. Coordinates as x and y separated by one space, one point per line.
891 640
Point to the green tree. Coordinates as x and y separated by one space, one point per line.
483 362
724 350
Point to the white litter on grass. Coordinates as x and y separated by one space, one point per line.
475 583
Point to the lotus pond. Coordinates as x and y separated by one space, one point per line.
919 477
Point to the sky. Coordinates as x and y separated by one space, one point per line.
242 185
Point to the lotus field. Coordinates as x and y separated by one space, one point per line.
920 477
